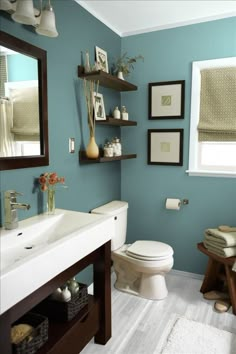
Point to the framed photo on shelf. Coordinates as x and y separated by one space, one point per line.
98 105
101 59
166 100
165 147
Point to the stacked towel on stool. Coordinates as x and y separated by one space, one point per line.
220 243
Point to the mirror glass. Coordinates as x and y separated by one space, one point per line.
23 104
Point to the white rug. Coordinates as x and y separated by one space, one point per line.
191 337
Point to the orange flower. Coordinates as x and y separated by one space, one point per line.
42 180
48 180
53 175
52 180
44 187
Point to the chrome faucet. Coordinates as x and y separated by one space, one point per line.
11 206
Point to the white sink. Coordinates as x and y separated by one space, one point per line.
45 245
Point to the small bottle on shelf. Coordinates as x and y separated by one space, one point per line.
108 150
73 286
124 113
56 295
117 149
116 113
65 294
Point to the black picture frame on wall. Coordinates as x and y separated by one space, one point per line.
165 147
166 99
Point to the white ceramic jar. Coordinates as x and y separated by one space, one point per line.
73 286
65 295
116 113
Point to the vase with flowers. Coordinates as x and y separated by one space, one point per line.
48 182
90 92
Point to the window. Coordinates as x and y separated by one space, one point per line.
27 148
209 158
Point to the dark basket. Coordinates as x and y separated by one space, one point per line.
65 311
39 334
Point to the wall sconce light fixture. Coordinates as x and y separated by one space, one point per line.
23 11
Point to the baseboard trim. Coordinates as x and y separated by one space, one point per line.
172 272
187 274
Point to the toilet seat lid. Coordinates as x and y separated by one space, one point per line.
150 250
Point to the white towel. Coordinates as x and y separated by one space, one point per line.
224 252
225 239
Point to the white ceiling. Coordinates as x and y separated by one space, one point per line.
134 17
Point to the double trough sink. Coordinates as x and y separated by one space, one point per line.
44 246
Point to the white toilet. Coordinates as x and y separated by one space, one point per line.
140 267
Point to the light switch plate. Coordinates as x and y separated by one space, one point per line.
72 145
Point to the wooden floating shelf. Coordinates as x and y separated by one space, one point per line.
116 122
107 80
83 158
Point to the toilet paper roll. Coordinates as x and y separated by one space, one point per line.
173 204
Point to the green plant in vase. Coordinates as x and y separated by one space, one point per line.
125 64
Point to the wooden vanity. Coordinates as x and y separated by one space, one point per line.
93 321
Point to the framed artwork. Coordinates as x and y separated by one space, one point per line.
165 147
166 100
98 105
101 59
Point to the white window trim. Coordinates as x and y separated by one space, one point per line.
197 66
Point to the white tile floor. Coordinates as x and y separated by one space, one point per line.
139 326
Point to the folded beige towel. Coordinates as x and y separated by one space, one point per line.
225 239
224 252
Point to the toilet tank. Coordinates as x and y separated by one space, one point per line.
117 209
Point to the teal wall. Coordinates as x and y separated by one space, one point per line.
28 68
168 56
89 185
212 201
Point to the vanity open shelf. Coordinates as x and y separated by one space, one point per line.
93 320
85 324
116 122
107 80
83 158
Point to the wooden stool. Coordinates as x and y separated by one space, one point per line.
218 269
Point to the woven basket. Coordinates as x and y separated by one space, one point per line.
65 311
39 334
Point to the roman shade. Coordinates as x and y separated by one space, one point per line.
25 113
3 74
217 121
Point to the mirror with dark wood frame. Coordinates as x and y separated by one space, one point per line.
24 111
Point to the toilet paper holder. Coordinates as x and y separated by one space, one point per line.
185 201
182 202
175 204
